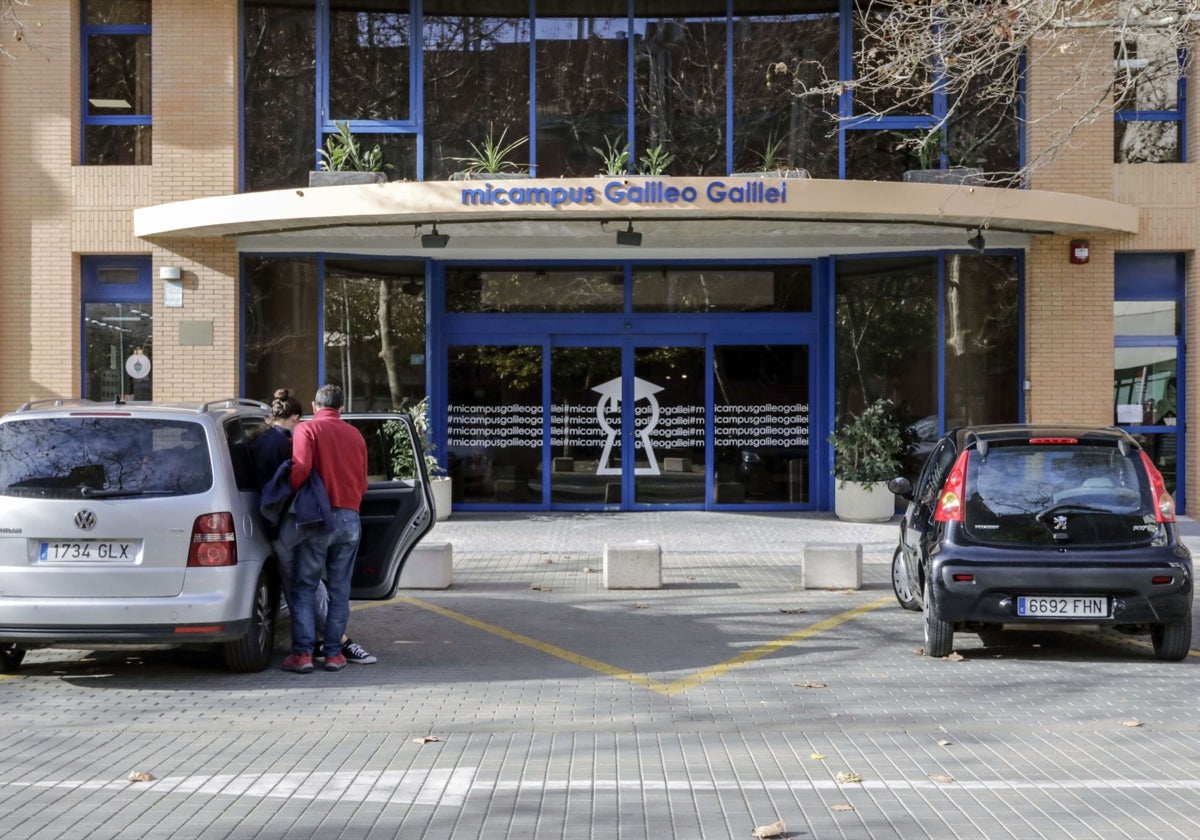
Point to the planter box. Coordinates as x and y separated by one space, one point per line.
774 173
968 175
321 178
486 176
443 497
854 502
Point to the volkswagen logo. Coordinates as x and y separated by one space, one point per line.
85 520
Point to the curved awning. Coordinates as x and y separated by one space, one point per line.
555 218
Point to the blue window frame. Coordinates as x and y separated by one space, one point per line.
115 69
1151 108
116 328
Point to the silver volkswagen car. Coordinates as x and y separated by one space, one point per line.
137 525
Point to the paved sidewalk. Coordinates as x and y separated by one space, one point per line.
529 702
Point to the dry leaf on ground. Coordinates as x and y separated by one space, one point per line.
1133 724
848 778
792 610
587 570
775 829
944 743
541 588
955 656
140 776
427 739
842 807
943 780
811 685
818 756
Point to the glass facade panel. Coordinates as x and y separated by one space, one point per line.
1144 385
375 332
476 79
760 424
118 86
669 425
885 335
112 334
874 62
981 340
281 306
518 289
494 423
369 61
750 289
879 155
1146 141
585 425
582 92
680 90
1147 73
1147 317
774 126
279 92
117 12
1163 450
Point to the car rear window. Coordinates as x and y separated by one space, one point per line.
1066 494
112 457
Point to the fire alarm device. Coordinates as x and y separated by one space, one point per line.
1079 251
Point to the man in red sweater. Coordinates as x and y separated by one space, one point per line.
335 451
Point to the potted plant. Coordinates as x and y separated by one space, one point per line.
930 149
402 461
655 160
771 163
615 159
868 452
490 159
343 161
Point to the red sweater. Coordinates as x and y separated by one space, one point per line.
336 451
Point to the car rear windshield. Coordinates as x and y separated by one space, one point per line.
103 457
1065 494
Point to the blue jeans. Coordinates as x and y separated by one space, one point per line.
287 563
332 553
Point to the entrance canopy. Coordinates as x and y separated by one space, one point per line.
579 218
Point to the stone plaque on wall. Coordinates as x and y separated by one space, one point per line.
195 333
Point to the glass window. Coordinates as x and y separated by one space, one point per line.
279 92
116 121
885 338
585 426
876 63
1147 317
281 299
680 90
760 424
375 332
1144 385
750 289
981 344
775 57
582 92
1148 73
494 423
591 289
114 336
476 80
370 55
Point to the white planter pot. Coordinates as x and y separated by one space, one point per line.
442 497
855 502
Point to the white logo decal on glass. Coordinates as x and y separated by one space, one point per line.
610 399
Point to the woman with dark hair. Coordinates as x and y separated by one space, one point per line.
269 451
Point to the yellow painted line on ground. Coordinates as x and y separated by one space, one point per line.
667 689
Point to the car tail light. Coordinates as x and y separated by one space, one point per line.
1161 580
964 578
1164 505
950 500
213 541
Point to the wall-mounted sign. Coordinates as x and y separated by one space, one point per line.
138 365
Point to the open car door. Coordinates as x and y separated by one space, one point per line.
397 510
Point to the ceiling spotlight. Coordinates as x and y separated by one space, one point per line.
629 236
435 239
976 242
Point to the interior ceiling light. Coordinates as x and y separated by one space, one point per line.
629 236
435 239
976 242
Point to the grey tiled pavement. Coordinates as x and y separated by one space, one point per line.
727 699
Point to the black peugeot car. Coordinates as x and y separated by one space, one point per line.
1042 525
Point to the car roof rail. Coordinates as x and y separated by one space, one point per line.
55 402
233 402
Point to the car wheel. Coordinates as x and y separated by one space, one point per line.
253 651
1172 640
11 658
900 585
939 635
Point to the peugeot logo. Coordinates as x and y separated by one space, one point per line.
85 520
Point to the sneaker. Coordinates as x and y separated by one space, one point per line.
298 663
335 663
357 654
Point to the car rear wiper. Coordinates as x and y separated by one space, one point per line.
120 493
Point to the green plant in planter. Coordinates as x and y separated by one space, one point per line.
871 447
343 154
769 159
614 158
401 451
491 155
655 160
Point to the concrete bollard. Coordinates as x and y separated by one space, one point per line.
633 565
429 566
833 566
